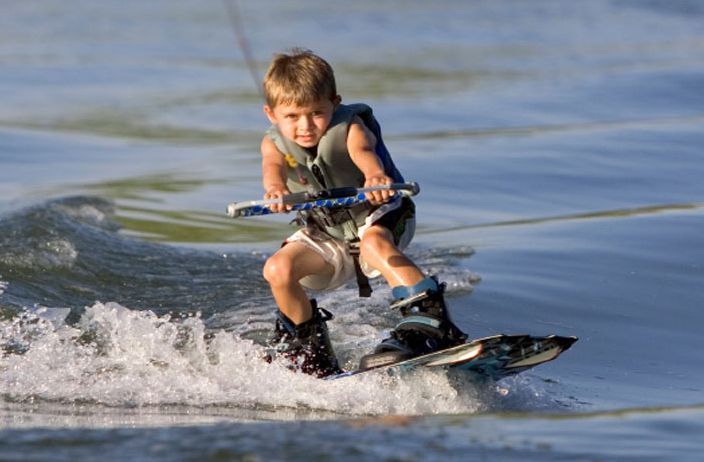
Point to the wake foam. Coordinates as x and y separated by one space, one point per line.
119 357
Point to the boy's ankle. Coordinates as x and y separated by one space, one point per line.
306 345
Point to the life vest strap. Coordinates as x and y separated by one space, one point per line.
365 290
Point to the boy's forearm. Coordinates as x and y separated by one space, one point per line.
369 164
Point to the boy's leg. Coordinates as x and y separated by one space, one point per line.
284 270
300 332
378 250
426 325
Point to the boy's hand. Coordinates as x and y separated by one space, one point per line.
378 197
275 192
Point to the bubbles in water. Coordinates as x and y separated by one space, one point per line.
59 253
89 213
49 254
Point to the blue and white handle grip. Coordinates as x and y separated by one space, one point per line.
328 198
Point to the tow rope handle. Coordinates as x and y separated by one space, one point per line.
327 198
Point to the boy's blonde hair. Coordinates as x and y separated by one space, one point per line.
298 77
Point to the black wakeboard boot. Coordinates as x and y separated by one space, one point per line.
425 327
307 345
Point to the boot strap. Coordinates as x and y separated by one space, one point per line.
365 290
431 326
320 316
422 320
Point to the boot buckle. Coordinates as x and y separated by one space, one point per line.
402 303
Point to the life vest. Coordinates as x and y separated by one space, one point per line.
332 167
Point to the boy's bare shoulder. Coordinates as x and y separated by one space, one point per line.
358 124
268 144
270 152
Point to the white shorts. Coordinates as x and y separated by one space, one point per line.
336 253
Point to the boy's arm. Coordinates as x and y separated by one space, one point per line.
273 173
360 144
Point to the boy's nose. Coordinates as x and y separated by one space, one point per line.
304 122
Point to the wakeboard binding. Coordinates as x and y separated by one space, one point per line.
305 346
424 328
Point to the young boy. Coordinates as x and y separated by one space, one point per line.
315 143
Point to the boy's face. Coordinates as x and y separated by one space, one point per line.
304 125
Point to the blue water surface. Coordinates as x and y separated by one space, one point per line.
558 150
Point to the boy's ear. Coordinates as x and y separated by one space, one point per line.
336 100
270 114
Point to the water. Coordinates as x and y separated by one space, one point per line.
558 151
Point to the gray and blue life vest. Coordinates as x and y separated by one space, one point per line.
331 167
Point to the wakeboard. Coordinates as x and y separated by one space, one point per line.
492 357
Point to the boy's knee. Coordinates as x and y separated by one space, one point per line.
375 240
277 270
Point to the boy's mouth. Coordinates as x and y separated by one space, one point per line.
308 138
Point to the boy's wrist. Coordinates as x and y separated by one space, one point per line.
275 187
377 178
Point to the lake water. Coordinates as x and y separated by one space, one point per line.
558 146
